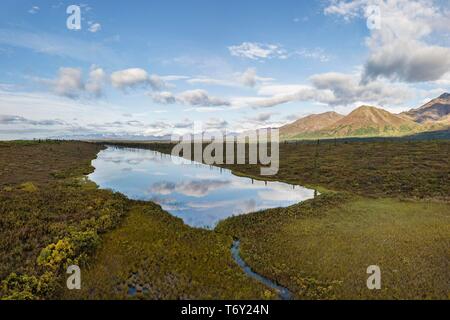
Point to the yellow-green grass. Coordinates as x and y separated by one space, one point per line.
321 249
159 257
51 216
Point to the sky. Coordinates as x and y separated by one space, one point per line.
153 68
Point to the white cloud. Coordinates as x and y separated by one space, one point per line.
205 109
186 123
195 98
200 97
97 78
174 78
408 61
18 120
262 117
163 97
69 82
212 81
400 49
285 95
129 78
315 54
135 77
348 89
215 124
444 81
332 89
95 27
248 78
157 82
44 115
348 10
280 89
34 10
257 51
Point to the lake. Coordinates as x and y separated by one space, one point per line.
200 194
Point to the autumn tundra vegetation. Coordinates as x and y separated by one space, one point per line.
380 202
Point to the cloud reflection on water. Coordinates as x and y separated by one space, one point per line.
201 195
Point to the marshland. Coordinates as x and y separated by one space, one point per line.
388 208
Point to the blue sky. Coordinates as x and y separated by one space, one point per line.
155 67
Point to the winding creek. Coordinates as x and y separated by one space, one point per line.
283 292
199 194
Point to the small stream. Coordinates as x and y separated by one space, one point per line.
283 292
199 194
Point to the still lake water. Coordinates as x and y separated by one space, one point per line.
201 195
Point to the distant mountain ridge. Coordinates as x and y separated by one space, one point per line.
437 110
113 137
369 121
311 123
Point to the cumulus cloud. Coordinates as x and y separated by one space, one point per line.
249 77
95 27
400 49
257 51
333 89
198 97
408 61
129 78
157 82
348 88
18 120
118 124
96 81
135 77
262 117
215 124
186 123
164 97
69 82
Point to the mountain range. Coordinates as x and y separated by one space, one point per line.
369 121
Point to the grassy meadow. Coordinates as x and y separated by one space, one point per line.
383 203
321 249
52 217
